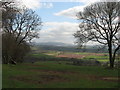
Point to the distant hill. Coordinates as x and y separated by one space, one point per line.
53 44
57 46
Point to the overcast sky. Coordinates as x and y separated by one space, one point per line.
58 17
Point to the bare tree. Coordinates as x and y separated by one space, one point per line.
20 26
100 22
9 9
23 23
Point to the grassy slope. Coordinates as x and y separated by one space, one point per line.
29 75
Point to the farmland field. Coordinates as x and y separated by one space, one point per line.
58 74
102 57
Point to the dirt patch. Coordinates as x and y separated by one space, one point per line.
91 77
20 78
53 71
40 79
51 78
34 65
115 79
112 79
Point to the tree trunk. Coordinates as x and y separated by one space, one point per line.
111 59
112 64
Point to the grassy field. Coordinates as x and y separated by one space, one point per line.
102 57
53 74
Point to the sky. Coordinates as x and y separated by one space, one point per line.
58 17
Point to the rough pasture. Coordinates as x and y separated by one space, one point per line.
50 74
80 56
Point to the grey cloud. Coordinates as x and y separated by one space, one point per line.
58 32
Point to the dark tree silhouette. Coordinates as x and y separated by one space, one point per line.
100 22
20 26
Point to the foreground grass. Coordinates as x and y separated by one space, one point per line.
51 74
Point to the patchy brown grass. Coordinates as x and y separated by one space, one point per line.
34 65
53 76
104 78
114 79
41 79
54 71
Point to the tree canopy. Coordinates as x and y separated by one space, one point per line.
19 27
100 22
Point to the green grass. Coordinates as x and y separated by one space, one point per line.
102 58
51 55
98 58
0 75
81 53
83 83
94 56
39 55
28 75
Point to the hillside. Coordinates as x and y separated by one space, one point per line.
57 46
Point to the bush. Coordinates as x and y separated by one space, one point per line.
11 50
86 62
